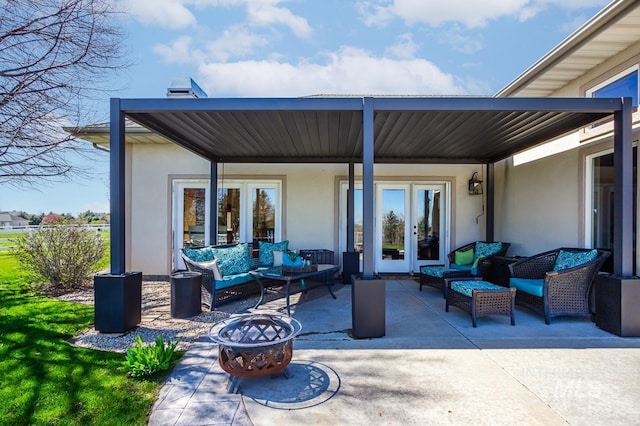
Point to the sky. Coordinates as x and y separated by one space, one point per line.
291 48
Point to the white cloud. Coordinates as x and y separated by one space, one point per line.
177 52
405 48
236 41
460 42
471 14
164 13
266 13
348 71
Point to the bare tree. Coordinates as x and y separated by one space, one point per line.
55 57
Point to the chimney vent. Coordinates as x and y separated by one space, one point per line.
185 88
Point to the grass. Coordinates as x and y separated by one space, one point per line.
44 380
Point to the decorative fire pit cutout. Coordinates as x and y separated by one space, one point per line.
254 345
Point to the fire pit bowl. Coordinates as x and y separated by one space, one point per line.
255 345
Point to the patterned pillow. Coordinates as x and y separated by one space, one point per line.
487 249
567 259
233 260
204 254
265 251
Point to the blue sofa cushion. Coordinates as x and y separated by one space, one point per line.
233 260
231 280
466 287
265 251
433 271
461 267
204 254
486 249
567 259
533 287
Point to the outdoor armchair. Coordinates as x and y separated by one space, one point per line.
473 259
557 282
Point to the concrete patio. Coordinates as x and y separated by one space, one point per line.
432 367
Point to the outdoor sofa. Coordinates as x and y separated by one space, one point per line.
226 269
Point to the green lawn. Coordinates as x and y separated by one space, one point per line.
45 380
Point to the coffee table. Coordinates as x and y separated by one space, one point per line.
320 275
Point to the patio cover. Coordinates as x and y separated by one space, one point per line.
368 130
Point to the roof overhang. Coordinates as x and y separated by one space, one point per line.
614 29
329 130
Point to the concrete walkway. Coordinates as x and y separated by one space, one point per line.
432 367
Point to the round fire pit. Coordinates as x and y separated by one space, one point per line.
255 345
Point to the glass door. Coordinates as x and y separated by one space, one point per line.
429 225
393 241
190 211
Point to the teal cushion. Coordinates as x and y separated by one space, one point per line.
529 286
466 287
231 280
487 249
204 254
460 267
433 271
265 251
567 259
233 260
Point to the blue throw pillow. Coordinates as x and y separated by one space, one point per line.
486 249
567 259
233 260
265 251
204 254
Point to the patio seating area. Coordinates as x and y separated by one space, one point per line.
428 369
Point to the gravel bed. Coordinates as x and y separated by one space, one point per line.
156 320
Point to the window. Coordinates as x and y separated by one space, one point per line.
249 211
601 204
621 85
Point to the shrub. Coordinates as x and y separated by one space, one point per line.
66 256
146 360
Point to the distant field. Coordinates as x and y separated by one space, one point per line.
6 237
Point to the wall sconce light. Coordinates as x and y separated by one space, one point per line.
475 185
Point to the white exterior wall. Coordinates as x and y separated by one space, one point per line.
539 205
310 196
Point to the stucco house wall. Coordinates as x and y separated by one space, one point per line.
540 204
310 200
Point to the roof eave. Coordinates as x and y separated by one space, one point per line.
606 16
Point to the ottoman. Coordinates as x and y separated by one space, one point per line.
480 298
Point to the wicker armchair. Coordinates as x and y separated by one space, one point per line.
484 265
435 275
564 292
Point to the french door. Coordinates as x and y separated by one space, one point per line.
247 211
190 213
411 224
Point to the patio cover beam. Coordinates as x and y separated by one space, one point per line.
117 187
623 191
367 189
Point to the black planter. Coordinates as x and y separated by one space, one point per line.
350 266
617 301
368 310
118 301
